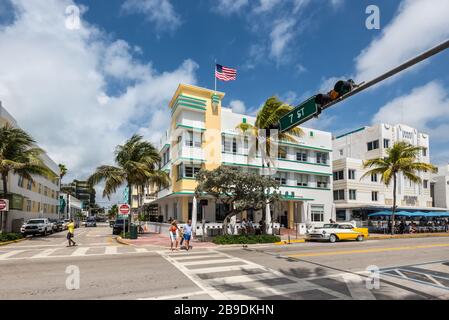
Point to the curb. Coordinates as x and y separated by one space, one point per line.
122 241
411 236
291 241
12 241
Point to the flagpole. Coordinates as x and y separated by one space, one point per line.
215 77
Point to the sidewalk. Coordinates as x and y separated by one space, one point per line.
161 241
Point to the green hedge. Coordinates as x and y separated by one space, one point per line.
249 239
10 236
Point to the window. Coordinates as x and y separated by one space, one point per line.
352 194
321 157
425 184
179 167
191 171
351 174
339 194
229 145
386 143
28 205
193 139
45 191
302 180
317 213
282 152
29 184
322 182
338 175
341 152
302 155
424 152
40 188
245 145
20 182
373 177
175 210
341 215
281 177
374 196
373 145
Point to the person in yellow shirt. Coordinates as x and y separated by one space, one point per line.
71 233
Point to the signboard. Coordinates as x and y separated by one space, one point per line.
305 111
4 205
124 209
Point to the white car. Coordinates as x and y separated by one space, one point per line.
333 232
37 226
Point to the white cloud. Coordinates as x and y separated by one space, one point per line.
227 7
266 5
54 81
417 26
159 12
282 34
425 108
238 106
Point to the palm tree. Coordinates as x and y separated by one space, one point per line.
19 155
401 158
268 118
136 162
62 170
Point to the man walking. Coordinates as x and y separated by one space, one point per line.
188 234
71 233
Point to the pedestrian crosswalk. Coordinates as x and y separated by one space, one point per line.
227 277
63 252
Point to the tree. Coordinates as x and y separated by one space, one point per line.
62 170
237 189
268 118
19 155
401 158
136 164
112 213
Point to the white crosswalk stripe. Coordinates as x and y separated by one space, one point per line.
63 252
213 271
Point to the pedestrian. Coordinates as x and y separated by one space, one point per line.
71 233
243 226
181 236
188 234
174 232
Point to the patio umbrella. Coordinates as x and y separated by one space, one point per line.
268 219
194 215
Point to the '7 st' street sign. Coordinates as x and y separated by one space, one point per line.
305 111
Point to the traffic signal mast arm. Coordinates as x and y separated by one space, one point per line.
363 86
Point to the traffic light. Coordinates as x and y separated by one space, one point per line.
340 89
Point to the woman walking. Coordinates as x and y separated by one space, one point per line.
174 232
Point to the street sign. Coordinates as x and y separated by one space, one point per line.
4 205
305 111
124 209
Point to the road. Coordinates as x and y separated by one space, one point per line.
44 268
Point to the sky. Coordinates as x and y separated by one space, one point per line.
82 88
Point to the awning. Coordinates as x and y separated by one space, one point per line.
411 214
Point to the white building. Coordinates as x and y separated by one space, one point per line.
202 134
71 207
440 186
30 200
354 197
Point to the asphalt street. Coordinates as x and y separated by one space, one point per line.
44 268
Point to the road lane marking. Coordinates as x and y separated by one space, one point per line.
175 296
182 259
44 253
244 278
343 252
7 255
80 252
141 250
110 250
227 268
196 263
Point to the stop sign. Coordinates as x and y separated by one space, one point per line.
124 209
4 205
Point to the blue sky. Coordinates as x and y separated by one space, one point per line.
90 88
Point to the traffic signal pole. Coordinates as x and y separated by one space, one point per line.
435 50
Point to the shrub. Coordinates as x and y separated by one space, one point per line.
9 236
246 239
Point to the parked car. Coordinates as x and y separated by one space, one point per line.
56 224
118 226
37 226
333 232
91 222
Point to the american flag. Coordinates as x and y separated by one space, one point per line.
225 73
